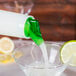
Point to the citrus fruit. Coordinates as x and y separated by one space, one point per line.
6 45
68 53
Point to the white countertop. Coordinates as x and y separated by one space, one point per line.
10 70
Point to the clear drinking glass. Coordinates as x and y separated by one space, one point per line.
31 59
19 6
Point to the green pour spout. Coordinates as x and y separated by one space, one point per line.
32 30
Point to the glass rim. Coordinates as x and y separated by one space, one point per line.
47 42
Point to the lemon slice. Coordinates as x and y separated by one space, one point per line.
68 53
6 45
8 58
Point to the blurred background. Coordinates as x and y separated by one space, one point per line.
57 18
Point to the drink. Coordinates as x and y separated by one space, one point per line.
44 52
33 64
40 70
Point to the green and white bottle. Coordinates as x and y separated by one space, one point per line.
20 25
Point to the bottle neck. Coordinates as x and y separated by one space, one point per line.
32 30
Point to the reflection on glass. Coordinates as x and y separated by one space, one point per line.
19 6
